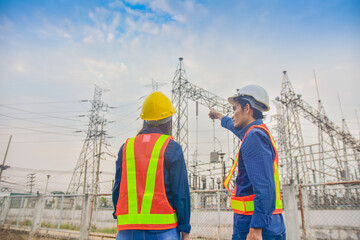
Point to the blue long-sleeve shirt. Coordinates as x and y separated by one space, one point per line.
256 176
175 179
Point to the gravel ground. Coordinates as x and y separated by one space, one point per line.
12 235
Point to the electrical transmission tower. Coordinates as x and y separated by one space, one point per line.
155 85
335 158
182 90
85 178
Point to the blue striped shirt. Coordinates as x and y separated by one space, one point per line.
256 176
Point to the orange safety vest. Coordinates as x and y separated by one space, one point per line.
142 202
245 205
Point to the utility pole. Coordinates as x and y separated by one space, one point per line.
31 177
47 181
3 167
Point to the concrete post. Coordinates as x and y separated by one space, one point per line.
218 212
86 217
305 202
60 211
291 213
38 212
4 210
23 205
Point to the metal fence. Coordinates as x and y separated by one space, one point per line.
62 215
316 211
330 210
211 215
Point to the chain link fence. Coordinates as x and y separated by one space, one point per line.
330 211
102 221
20 210
60 215
315 211
211 215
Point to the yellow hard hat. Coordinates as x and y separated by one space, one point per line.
156 106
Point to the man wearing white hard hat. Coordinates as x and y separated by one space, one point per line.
256 199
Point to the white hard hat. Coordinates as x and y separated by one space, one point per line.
255 95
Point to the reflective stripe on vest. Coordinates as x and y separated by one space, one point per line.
245 205
145 218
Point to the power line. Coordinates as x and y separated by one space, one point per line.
36 130
125 127
51 125
56 141
37 113
41 170
55 102
17 113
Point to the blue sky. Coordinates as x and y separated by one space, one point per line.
53 52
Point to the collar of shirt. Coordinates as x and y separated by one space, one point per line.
152 130
244 130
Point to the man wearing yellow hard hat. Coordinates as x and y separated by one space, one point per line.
151 191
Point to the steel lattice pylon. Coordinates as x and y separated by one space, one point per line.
334 158
85 178
182 90
180 101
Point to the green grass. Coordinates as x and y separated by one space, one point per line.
62 226
23 223
112 230
107 230
69 227
26 223
48 225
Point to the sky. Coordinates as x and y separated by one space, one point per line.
54 52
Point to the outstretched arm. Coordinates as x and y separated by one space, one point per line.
213 114
226 122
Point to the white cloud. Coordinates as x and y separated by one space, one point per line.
105 26
93 36
117 4
110 37
109 69
122 49
179 18
161 5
